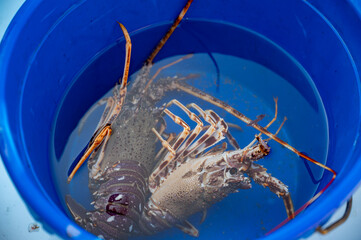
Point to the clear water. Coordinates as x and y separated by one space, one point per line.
249 84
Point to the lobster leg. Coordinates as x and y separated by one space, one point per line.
162 127
188 228
271 122
111 111
186 129
232 140
229 136
214 134
276 113
260 176
172 150
216 150
161 151
193 117
180 138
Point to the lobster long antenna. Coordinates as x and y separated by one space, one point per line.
168 34
308 203
128 50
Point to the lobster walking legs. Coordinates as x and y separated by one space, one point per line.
182 185
223 131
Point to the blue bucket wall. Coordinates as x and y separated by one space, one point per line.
48 43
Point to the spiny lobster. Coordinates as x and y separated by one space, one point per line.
122 151
189 179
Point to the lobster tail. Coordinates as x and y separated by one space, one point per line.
118 202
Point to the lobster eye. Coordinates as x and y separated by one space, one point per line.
233 171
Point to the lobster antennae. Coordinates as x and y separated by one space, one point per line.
168 34
308 203
128 47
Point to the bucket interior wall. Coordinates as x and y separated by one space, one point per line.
55 41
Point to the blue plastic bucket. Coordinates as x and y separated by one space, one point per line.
49 42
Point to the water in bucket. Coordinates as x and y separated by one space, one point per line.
240 70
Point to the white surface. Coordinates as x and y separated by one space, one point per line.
351 229
15 218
